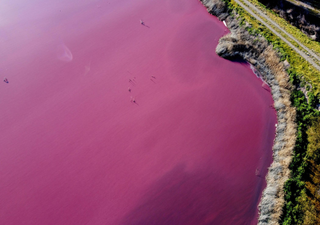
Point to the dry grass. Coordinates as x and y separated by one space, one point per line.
285 154
272 201
267 61
311 199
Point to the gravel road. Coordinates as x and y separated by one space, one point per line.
310 56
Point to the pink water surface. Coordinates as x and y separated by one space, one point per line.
107 121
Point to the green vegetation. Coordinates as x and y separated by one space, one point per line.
295 188
302 190
311 200
294 31
304 70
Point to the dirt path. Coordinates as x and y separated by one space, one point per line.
310 56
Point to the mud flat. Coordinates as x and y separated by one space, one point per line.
240 44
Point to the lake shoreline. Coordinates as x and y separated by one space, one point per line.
256 51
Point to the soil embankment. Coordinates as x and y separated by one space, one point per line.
240 44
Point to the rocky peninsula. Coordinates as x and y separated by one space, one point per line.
239 43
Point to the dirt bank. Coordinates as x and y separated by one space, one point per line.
254 49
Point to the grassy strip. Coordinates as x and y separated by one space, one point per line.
286 27
302 192
294 31
299 67
312 10
314 3
286 36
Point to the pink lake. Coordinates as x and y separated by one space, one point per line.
108 121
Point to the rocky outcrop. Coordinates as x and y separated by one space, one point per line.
217 8
255 50
239 43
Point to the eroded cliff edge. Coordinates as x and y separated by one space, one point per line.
260 54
